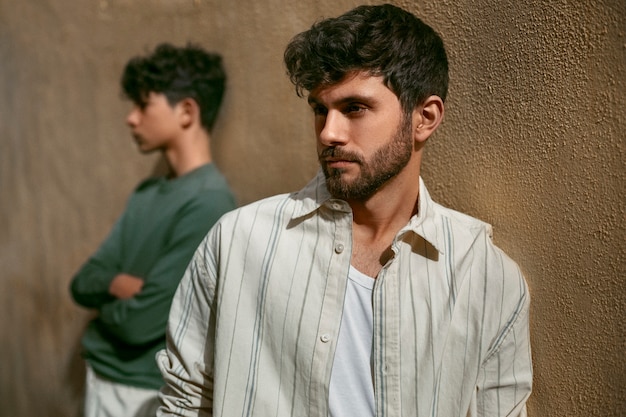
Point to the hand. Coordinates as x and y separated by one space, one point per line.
125 286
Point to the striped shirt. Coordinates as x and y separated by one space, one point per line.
253 327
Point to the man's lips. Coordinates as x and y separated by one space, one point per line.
337 163
337 158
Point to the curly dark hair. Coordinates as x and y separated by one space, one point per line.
382 40
178 73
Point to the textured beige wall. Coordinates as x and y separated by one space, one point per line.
533 142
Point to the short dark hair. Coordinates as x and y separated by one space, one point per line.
178 73
382 40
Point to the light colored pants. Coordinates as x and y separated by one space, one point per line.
106 398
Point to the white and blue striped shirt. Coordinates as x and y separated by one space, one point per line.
253 327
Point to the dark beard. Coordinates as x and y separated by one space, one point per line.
386 163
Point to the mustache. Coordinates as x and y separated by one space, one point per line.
337 153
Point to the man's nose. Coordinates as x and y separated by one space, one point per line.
332 129
133 117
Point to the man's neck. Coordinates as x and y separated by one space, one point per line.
189 153
391 207
377 220
384 215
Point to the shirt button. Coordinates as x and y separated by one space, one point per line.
325 338
339 248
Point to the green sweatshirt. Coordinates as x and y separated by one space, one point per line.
154 239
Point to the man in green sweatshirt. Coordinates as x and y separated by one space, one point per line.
130 280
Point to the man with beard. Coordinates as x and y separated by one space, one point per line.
357 295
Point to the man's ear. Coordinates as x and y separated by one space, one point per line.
427 117
189 112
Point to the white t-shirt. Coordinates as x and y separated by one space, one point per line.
351 392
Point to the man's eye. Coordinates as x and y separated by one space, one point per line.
319 110
353 108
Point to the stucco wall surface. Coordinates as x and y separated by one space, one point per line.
533 143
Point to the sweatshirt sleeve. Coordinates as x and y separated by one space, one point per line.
143 318
90 285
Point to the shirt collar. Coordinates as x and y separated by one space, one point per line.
315 195
426 222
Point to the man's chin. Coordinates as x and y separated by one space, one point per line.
338 187
145 150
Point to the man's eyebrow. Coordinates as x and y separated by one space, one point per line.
360 98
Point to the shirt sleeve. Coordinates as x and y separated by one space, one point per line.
143 318
187 364
505 378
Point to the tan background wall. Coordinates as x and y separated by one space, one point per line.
533 142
